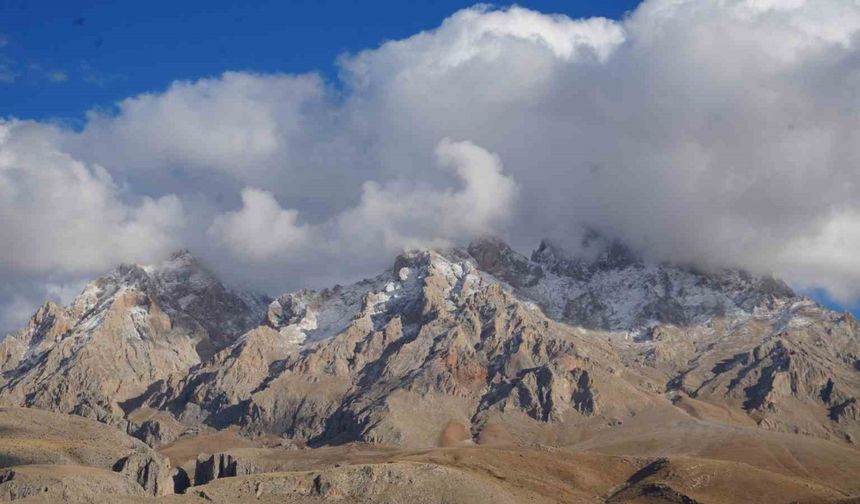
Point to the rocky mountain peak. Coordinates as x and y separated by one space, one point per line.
610 289
417 277
594 253
130 327
182 267
485 334
187 290
496 257
604 284
479 336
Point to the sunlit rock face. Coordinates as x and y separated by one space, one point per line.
131 328
487 340
478 340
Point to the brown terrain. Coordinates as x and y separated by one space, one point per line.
457 376
685 462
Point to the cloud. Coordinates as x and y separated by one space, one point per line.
720 132
8 75
240 125
399 215
828 257
60 215
386 219
57 76
261 229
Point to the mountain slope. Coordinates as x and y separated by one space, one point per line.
479 344
482 344
434 344
126 330
615 290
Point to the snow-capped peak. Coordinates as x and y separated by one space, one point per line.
308 316
180 286
608 286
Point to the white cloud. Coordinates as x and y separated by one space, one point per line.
57 76
386 219
261 229
58 214
397 215
828 257
234 124
715 131
8 75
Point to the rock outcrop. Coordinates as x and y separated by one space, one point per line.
68 450
151 472
65 483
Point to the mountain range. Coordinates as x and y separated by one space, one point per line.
654 370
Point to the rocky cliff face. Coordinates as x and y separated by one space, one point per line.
126 330
484 343
616 290
479 344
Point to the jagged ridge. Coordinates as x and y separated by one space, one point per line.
130 328
446 346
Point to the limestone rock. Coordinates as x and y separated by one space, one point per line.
65 483
152 473
482 338
127 330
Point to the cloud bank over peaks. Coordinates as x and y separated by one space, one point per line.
58 214
717 132
387 218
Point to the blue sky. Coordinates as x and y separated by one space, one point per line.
822 297
66 57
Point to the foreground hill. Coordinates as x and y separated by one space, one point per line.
69 457
51 458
